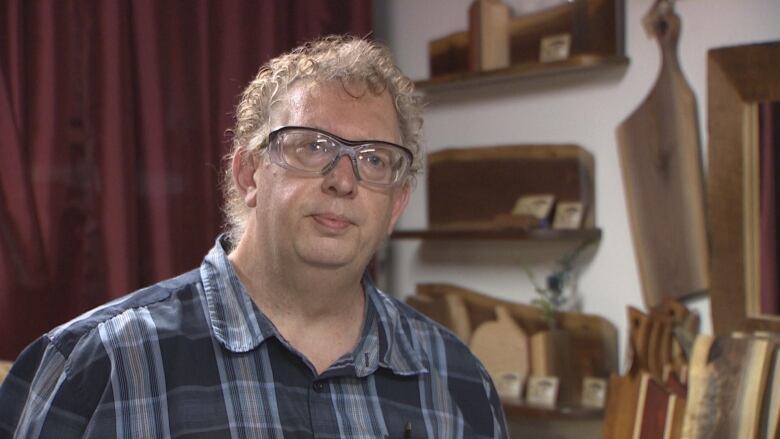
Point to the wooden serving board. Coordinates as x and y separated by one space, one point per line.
727 382
593 338
660 157
622 400
501 345
551 355
652 409
639 338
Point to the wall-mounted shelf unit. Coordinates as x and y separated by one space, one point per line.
516 408
514 234
521 72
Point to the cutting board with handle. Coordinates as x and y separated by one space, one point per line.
502 346
660 157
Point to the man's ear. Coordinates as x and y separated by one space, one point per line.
244 166
399 201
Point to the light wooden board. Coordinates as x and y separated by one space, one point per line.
660 157
593 338
458 317
501 345
551 355
675 417
728 378
620 413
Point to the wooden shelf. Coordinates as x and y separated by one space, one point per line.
516 234
519 72
516 409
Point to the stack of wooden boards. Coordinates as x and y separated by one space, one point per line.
680 385
511 338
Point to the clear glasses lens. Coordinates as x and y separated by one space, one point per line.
315 152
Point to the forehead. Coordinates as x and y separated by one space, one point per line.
350 110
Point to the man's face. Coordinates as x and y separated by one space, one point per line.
331 220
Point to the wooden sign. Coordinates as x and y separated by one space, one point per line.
537 205
568 215
594 392
555 48
509 385
542 391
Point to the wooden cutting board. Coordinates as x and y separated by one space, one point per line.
501 345
551 355
726 386
622 400
652 409
660 157
640 327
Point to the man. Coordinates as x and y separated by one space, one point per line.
279 333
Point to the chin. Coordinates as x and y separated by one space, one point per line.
325 255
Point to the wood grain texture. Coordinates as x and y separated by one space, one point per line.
660 158
595 26
727 381
770 414
639 330
675 417
652 409
593 338
488 35
458 316
551 355
505 173
501 345
622 400
737 77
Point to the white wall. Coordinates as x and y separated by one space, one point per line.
584 110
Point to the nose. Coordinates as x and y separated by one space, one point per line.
341 181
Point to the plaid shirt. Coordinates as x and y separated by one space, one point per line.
194 357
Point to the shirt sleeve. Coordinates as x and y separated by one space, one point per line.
499 421
40 398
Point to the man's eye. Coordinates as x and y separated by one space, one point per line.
376 160
316 147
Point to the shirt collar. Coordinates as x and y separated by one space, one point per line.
240 326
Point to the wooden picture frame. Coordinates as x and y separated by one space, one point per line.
739 78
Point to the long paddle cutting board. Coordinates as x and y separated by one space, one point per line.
660 157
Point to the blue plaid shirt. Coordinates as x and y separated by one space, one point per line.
193 357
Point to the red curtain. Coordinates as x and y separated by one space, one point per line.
112 130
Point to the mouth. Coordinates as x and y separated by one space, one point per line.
332 222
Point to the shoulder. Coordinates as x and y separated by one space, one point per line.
66 337
451 365
437 345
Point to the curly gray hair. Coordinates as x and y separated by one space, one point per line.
334 58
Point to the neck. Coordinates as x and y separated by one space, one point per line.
319 310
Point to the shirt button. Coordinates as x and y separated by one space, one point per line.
319 386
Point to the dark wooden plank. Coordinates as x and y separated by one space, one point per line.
660 157
522 72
